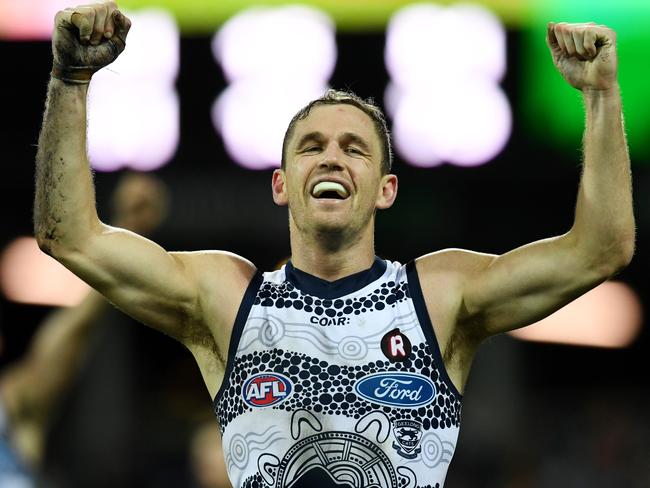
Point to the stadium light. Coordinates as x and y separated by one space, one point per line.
276 60
133 110
444 96
608 316
28 275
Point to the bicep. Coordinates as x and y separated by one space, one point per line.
516 289
138 276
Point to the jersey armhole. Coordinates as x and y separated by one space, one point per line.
422 312
237 329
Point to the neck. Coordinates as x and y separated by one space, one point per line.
332 257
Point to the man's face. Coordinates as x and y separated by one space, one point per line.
332 181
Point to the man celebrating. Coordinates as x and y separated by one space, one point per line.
340 369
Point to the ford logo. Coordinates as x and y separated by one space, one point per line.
401 390
266 389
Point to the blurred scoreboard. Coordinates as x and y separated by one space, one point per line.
354 15
445 63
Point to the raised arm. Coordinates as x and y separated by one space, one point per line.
156 287
529 283
492 294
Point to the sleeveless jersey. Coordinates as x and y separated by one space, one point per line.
13 473
336 384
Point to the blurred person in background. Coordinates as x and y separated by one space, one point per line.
340 369
32 388
206 457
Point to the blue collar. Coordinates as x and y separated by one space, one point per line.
321 288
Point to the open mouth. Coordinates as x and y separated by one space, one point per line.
330 190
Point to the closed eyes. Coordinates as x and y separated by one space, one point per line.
348 150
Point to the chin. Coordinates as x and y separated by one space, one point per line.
335 226
331 226
339 227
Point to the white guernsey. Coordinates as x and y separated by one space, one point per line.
337 384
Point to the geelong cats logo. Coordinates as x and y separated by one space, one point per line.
266 389
407 435
401 390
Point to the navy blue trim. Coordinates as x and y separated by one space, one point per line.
237 329
318 287
413 281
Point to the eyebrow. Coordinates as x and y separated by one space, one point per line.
348 137
310 137
356 139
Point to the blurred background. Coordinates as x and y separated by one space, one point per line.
487 140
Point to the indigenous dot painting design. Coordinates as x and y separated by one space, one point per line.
333 459
257 481
318 370
286 295
329 389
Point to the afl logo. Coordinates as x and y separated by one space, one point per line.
401 390
266 389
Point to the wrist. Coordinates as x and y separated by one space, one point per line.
613 91
74 75
602 100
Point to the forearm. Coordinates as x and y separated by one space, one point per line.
64 333
59 348
604 221
32 387
64 205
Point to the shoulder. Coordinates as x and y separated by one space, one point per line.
211 266
444 276
455 267
222 278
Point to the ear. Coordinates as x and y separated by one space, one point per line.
387 192
279 188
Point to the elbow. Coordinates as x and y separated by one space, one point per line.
625 253
52 243
46 240
47 233
58 240
605 254
48 243
617 257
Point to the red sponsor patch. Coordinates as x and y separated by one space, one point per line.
396 346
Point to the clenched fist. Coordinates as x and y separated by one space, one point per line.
87 38
585 54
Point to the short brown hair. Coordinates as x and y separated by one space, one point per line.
337 97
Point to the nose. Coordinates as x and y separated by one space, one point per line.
332 158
